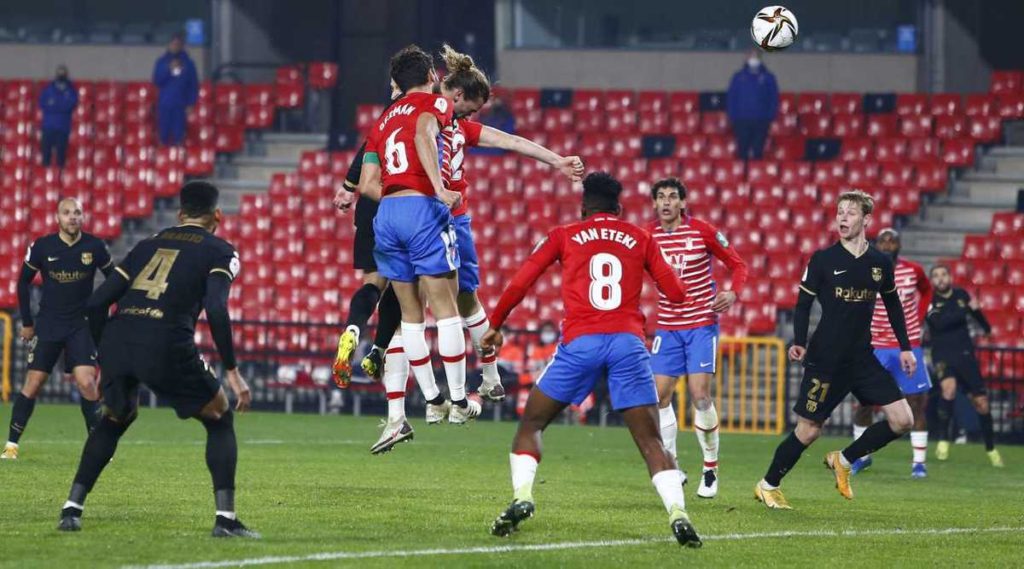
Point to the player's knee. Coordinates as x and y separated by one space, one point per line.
33 383
807 431
121 417
702 403
901 420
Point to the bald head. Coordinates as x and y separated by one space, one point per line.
69 217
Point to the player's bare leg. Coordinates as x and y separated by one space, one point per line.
475 320
665 474
786 456
89 389
981 406
705 423
526 452
898 420
863 416
21 411
361 307
947 387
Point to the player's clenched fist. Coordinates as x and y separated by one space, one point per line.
492 340
908 362
343 199
572 167
796 353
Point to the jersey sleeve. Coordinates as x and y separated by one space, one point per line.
544 255
103 260
811 280
355 168
888 285
34 256
719 246
226 261
472 130
370 152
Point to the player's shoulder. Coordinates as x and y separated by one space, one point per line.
874 255
219 244
92 241
702 225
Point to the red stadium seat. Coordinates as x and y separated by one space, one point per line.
715 122
523 100
932 176
684 123
693 145
815 125
1006 82
980 105
786 148
846 103
587 100
978 247
812 103
1011 106
652 102
946 105
788 103
621 122
984 273
229 139
845 126
911 104
890 150
904 201
985 129
856 150
615 101
880 125
922 149
829 172
726 173
587 121
1011 249
557 120
916 126
323 74
958 152
950 127
760 171
290 95
785 125
653 122
861 173
792 173
1015 273
1006 223
720 146
895 175
683 103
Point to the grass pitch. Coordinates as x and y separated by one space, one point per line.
309 484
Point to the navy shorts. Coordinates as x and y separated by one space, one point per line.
76 345
576 367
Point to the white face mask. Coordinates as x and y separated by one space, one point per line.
754 62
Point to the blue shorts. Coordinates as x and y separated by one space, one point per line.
469 271
415 237
682 352
575 368
890 360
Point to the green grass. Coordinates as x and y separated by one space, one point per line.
309 484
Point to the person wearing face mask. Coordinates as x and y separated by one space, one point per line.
752 103
915 292
537 357
57 101
175 76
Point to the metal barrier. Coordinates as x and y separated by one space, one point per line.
5 367
1003 370
749 387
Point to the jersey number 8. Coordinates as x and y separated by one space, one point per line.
605 276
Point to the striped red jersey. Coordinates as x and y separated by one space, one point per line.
460 135
915 292
688 249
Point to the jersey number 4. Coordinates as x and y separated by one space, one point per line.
605 281
153 278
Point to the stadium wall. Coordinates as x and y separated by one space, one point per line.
704 71
118 62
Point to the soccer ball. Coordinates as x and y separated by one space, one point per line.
774 27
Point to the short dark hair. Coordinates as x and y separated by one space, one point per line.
601 192
674 183
940 266
198 198
411 67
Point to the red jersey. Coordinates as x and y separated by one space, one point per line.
915 292
688 249
461 134
392 140
603 260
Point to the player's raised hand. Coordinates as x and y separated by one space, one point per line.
450 198
241 389
492 340
27 333
723 301
908 363
343 199
571 166
797 353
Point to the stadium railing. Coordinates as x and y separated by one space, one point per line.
1003 370
749 386
7 326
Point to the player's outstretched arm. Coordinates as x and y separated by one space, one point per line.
544 255
665 278
98 305
570 166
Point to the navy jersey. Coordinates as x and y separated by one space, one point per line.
947 322
167 276
68 272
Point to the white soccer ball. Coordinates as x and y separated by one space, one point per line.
774 27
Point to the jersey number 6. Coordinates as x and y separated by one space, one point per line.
395 159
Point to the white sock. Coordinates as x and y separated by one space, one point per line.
451 344
766 486
396 374
919 442
478 325
10 444
857 432
228 515
355 330
414 341
669 428
70 504
524 469
669 484
706 423
843 460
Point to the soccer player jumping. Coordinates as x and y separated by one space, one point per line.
846 278
686 340
603 260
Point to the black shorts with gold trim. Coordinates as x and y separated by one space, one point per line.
821 390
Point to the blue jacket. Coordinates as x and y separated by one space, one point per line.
58 105
176 91
753 95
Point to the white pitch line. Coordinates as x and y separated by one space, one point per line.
341 555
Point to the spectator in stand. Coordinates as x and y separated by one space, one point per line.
537 359
752 103
175 77
495 115
57 101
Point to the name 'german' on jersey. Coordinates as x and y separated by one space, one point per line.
688 249
167 282
392 142
603 260
915 292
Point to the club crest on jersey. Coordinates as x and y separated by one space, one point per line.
86 258
720 237
876 274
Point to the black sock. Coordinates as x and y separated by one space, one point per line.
222 453
461 403
389 318
986 430
20 414
786 456
944 412
437 400
99 449
362 305
91 413
876 437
